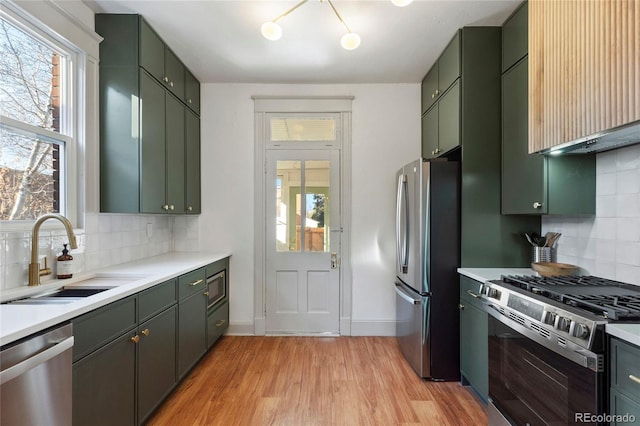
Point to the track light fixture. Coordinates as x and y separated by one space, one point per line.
272 31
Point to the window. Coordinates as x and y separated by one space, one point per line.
37 122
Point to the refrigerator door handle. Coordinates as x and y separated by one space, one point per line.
406 297
402 224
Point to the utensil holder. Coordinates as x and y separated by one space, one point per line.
543 254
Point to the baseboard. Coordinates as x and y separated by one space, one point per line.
373 328
241 329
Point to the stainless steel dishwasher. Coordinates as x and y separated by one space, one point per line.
35 379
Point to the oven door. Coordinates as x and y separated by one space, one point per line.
216 288
530 384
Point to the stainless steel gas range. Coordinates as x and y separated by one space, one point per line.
547 345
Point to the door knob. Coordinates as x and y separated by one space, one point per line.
334 260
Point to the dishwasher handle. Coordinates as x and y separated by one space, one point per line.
31 363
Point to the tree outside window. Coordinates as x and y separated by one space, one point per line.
31 141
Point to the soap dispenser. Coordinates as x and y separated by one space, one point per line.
65 264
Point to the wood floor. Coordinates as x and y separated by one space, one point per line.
313 381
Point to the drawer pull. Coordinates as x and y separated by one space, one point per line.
634 378
135 339
221 323
195 283
461 306
145 332
470 293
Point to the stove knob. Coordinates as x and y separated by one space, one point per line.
563 323
549 318
580 331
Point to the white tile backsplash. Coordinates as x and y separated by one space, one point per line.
106 240
607 245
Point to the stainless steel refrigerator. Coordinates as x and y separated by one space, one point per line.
427 258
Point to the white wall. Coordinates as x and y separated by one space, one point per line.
386 135
607 245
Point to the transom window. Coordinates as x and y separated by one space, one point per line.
36 121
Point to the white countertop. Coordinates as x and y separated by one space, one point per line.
18 321
487 274
627 332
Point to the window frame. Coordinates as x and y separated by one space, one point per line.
73 119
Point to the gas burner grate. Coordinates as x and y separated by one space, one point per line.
606 298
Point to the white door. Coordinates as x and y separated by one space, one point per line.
302 241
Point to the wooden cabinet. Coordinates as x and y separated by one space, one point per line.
625 379
531 183
192 319
143 121
584 69
474 352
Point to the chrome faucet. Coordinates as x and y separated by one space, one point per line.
34 265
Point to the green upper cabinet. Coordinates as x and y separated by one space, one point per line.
443 73
147 134
441 102
160 61
531 183
192 127
515 37
192 92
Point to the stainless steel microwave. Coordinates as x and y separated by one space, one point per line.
216 288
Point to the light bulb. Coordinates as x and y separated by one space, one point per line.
401 3
350 41
271 31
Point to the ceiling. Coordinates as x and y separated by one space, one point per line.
220 41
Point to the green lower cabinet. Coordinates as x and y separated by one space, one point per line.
104 385
192 332
156 361
474 352
217 323
625 380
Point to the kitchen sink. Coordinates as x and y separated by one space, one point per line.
59 297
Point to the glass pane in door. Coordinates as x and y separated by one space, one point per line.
288 205
316 231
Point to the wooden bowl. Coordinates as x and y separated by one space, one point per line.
550 269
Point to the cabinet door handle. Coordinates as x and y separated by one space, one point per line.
172 207
189 101
145 331
437 150
537 205
433 95
195 283
166 79
165 207
433 152
190 208
470 293
171 83
634 378
135 339
460 306
206 293
221 323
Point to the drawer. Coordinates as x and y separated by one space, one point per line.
191 283
217 266
625 368
96 328
622 405
217 323
468 288
156 299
